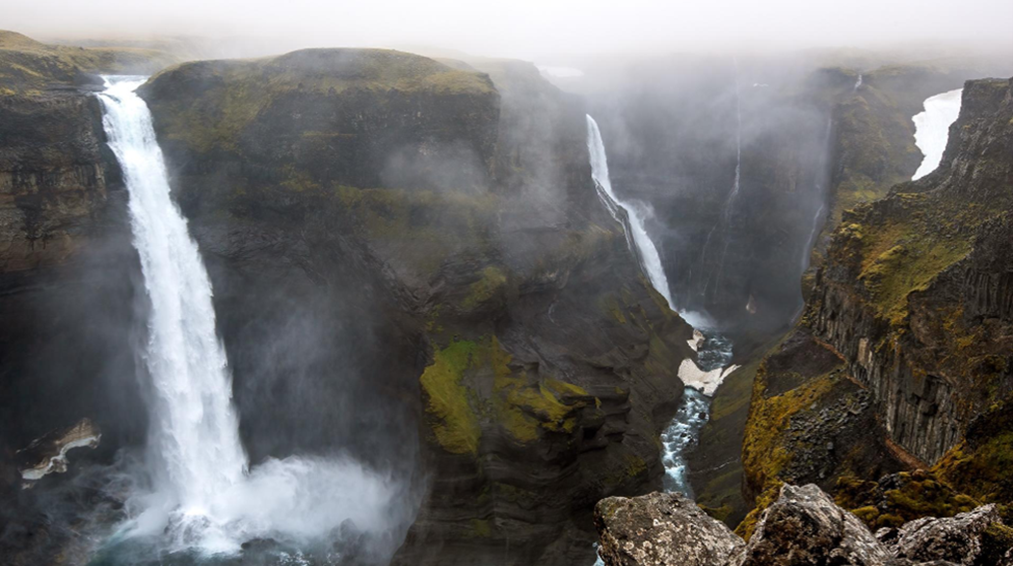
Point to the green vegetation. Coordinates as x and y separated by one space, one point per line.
28 67
917 494
450 401
232 93
906 251
763 453
489 286
523 407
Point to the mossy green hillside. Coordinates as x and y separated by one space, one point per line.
232 93
29 67
523 406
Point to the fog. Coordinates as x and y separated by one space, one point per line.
528 29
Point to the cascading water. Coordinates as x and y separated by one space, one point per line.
932 128
636 213
858 83
196 432
203 497
713 351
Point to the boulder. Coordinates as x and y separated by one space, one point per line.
662 528
957 539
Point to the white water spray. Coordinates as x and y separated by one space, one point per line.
195 433
858 83
932 128
636 212
203 496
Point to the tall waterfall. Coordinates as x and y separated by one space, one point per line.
636 212
203 496
195 432
932 128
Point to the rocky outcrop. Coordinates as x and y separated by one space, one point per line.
911 302
957 539
803 526
662 528
923 258
68 303
48 454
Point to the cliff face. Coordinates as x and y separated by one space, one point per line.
454 306
913 302
68 297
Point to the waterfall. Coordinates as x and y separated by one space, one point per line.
203 496
858 83
932 128
821 175
636 213
195 432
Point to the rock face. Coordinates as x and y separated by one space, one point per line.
68 300
48 454
957 539
926 319
911 302
662 528
803 526
465 279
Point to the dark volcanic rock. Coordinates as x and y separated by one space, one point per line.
488 302
662 528
913 300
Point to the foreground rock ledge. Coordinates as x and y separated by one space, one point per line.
662 528
804 526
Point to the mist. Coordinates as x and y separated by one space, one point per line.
528 29
443 296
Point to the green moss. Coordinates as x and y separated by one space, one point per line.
489 286
455 422
917 494
236 91
28 67
906 253
764 455
867 514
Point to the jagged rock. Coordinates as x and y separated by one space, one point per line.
957 539
662 528
804 526
48 454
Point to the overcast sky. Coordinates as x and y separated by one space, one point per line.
528 28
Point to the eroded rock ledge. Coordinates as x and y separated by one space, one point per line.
804 526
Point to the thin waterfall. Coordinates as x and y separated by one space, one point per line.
726 215
635 212
821 173
858 83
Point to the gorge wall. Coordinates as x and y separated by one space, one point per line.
410 266
909 310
